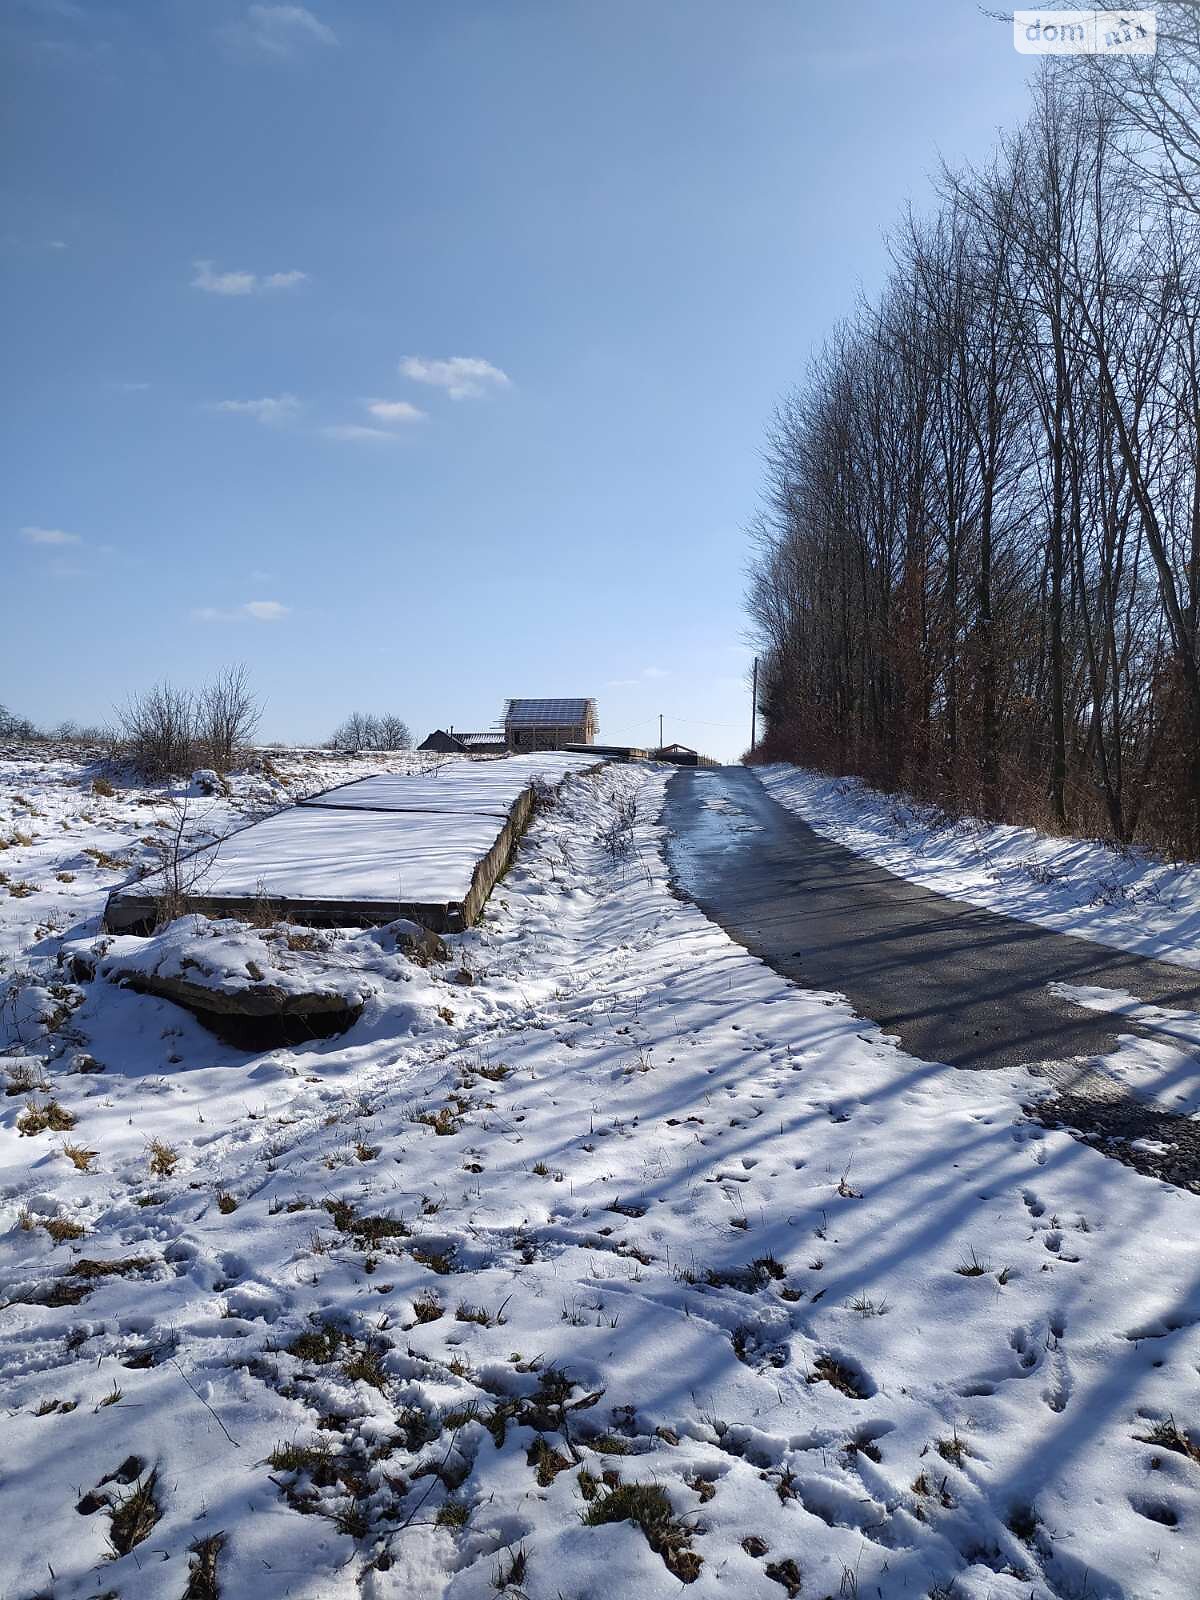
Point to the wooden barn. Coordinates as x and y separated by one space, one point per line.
447 743
549 724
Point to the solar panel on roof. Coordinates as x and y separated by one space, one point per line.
545 713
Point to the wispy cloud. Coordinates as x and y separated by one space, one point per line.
647 675
284 280
242 283
222 282
271 410
348 432
49 536
395 411
249 611
462 377
387 417
278 32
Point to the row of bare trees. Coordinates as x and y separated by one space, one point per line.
363 730
977 569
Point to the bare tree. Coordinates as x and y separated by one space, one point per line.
363 731
159 730
227 715
358 732
182 859
13 726
976 571
393 733
1155 100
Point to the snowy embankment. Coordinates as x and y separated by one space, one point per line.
597 1261
1126 899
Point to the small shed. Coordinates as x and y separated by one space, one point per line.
447 743
549 724
681 754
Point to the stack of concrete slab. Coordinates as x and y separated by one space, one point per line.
428 846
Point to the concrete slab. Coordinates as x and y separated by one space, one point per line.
426 847
488 787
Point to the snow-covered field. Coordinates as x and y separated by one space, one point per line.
1126 899
599 1220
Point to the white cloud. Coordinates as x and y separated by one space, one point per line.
54 536
395 411
242 283
58 244
462 377
356 430
654 672
250 611
277 31
284 280
222 282
271 410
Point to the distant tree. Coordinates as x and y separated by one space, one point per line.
159 730
393 733
227 715
360 731
14 727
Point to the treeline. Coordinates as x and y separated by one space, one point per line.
170 730
977 570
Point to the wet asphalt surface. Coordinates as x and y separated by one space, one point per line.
954 983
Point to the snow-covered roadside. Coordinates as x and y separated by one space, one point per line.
1129 900
626 1225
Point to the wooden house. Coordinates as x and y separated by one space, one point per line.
549 724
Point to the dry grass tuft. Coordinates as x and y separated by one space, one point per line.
428 1308
648 1507
202 1571
135 1516
1171 1437
27 1077
546 1461
974 1268
63 1228
36 1118
163 1159
953 1449
828 1369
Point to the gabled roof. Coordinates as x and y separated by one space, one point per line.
547 713
439 738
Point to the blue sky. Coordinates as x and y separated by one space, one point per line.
419 352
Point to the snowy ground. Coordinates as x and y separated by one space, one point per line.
1126 899
627 1226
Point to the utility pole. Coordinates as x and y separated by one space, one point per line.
754 709
660 717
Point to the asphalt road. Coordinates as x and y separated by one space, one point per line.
956 984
